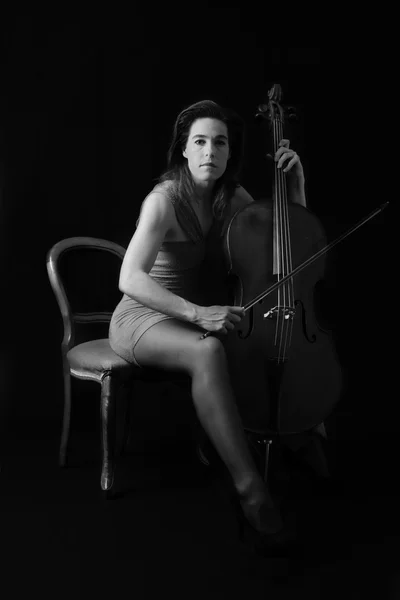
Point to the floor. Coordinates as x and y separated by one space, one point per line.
169 530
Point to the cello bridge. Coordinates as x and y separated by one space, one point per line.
286 312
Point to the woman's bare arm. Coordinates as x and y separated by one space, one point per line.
156 219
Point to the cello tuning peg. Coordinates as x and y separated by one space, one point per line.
292 113
262 111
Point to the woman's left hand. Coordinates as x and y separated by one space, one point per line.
284 154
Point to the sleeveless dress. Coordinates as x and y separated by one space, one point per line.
190 269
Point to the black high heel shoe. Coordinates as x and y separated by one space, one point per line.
277 543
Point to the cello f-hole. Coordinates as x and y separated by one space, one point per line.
313 338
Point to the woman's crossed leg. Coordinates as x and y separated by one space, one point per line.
177 345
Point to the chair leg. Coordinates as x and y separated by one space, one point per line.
66 415
108 425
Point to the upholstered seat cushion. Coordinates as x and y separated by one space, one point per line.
91 359
95 357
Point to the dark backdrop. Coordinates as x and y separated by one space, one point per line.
87 108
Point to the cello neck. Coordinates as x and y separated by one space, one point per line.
281 251
281 234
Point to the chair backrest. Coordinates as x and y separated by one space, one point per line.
71 264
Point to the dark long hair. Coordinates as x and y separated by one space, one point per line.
177 170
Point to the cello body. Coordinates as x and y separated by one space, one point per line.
283 365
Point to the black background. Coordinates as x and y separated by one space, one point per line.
87 108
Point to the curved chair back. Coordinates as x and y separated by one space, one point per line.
74 248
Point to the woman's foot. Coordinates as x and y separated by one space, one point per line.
260 522
259 509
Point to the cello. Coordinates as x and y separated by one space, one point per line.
283 365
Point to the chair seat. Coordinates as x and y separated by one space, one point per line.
94 358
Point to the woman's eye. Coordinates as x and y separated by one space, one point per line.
219 142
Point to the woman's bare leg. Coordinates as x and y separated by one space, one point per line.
175 345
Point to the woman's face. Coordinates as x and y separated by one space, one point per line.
207 143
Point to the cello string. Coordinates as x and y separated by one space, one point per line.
282 296
282 177
290 283
285 250
282 235
276 256
282 245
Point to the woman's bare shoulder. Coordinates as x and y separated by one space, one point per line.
157 202
164 187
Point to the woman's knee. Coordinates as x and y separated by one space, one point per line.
209 351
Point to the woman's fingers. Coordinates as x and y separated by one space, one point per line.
285 143
237 315
291 163
234 318
236 309
290 156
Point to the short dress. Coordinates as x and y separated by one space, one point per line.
193 269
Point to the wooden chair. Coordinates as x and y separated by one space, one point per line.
85 349
91 359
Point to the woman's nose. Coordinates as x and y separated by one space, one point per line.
210 151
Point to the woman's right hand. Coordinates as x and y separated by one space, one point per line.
218 319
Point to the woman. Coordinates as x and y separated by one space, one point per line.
169 301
